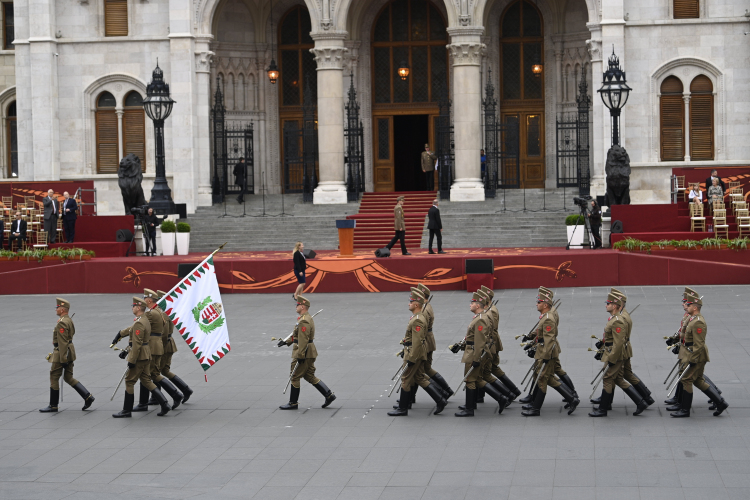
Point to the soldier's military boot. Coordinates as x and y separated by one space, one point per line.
54 399
566 380
293 403
162 402
678 395
643 391
536 406
127 407
480 395
511 386
569 396
604 405
183 387
719 403
142 399
470 406
598 401
637 398
507 394
86 395
403 405
530 405
436 393
529 397
172 391
685 404
674 399
495 394
326 392
443 384
709 382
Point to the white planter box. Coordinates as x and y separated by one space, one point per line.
183 243
577 240
167 243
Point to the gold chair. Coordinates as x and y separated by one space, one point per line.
738 205
721 228
59 235
30 201
681 186
743 223
697 220
720 212
41 239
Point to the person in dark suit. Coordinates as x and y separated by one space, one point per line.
300 264
17 231
435 225
709 181
151 222
594 213
239 178
51 214
69 217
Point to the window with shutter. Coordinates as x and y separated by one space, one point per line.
686 9
115 18
9 29
701 119
107 146
134 128
672 117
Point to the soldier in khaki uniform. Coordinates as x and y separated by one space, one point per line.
399 225
304 354
615 352
429 371
415 354
428 167
170 347
63 356
508 388
696 331
139 360
547 352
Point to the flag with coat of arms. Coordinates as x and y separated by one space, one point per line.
194 307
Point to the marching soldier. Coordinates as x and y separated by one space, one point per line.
615 352
400 226
494 367
415 354
696 331
478 350
138 355
494 346
170 347
546 358
304 354
63 356
157 339
430 372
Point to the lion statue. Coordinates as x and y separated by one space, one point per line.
617 169
130 179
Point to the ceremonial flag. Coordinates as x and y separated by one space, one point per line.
195 308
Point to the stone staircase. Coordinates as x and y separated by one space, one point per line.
375 220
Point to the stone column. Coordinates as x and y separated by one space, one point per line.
686 98
466 53
329 54
600 115
23 92
120 112
202 138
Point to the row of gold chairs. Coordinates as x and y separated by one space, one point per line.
721 227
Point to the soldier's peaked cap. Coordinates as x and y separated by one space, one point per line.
139 301
301 301
62 303
488 291
150 294
416 296
689 290
618 292
425 291
427 145
614 298
693 298
160 293
545 295
480 298
400 198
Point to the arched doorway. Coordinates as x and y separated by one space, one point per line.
12 140
521 89
404 110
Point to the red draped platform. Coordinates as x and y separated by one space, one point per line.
271 272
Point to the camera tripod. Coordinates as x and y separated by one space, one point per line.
587 231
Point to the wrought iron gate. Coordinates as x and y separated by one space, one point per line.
301 150
572 147
501 147
445 145
231 141
354 135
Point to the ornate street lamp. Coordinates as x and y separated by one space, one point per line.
273 71
537 67
403 70
614 92
158 106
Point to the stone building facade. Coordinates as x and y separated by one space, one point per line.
67 53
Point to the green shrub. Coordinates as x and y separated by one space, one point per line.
7 253
168 227
183 227
571 219
737 244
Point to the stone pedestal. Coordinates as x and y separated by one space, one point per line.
606 230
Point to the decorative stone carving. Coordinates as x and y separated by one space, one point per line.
617 169
130 177
330 57
595 49
203 61
467 54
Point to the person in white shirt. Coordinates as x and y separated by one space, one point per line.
17 231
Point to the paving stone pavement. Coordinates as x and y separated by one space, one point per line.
231 441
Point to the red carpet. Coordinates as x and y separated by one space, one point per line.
271 272
375 219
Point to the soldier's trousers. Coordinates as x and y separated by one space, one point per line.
547 377
613 376
412 375
558 368
428 370
694 376
474 379
488 369
56 371
165 365
140 372
627 373
495 366
153 368
305 369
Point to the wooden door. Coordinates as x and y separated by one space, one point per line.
531 147
383 171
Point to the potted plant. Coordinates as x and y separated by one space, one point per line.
7 255
168 230
737 244
25 255
664 244
53 254
575 234
183 238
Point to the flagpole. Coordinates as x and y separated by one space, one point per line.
222 246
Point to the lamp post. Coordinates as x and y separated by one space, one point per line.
614 92
158 106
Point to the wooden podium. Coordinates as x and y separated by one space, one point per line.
346 237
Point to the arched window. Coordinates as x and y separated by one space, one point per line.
295 59
115 17
672 116
10 121
107 143
701 118
410 31
521 47
686 9
134 127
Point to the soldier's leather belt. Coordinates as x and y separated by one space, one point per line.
156 334
688 344
54 344
469 343
609 343
429 331
295 341
407 344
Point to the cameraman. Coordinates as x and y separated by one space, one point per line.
150 223
594 214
